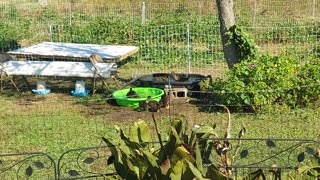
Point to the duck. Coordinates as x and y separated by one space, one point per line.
166 100
175 76
209 77
152 105
95 58
143 106
132 94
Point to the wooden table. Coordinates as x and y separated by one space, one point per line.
74 51
66 59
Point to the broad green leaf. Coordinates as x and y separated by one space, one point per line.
123 147
198 158
179 126
314 161
305 168
175 135
202 129
151 159
128 143
315 172
141 165
243 96
169 147
116 153
247 101
255 175
214 173
183 153
109 143
134 169
177 170
195 171
140 132
121 165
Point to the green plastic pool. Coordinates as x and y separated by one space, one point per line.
143 92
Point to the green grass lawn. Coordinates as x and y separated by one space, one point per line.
62 122
58 122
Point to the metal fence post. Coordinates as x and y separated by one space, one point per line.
43 2
254 13
70 12
314 9
200 8
143 13
188 48
50 32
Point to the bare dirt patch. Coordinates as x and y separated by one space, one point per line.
113 112
91 107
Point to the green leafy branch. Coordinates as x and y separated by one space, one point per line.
244 43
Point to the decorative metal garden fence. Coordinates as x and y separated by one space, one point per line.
272 158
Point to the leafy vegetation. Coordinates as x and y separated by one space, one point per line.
265 80
268 80
243 42
162 36
311 168
7 40
180 156
186 152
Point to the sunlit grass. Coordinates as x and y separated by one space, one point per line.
58 122
51 126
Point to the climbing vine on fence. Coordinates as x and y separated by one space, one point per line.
244 43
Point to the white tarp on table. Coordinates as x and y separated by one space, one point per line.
74 50
57 68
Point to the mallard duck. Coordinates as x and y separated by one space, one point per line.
153 106
166 100
132 94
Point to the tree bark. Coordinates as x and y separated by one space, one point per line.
227 20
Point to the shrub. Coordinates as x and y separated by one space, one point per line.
309 77
8 39
265 80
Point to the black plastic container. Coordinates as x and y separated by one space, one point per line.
160 80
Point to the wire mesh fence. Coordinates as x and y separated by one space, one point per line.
183 37
180 37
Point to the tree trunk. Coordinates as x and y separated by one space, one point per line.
226 17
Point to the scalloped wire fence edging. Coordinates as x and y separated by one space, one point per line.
29 165
278 157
